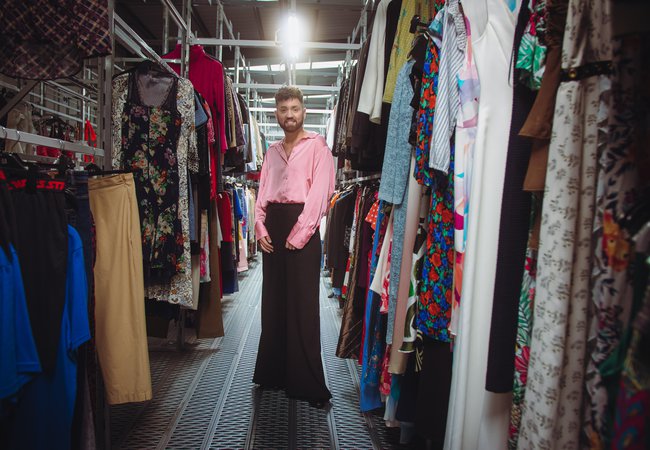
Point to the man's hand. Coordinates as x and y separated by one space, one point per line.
266 244
289 246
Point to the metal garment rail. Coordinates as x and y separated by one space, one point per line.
35 139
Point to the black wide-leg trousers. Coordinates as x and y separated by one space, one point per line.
289 353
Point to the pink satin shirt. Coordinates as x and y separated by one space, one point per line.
307 176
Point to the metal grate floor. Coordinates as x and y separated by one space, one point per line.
204 397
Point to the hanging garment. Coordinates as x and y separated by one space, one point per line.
478 419
531 55
209 322
539 124
43 414
339 237
150 135
46 40
630 428
619 185
554 394
119 290
465 141
374 336
207 76
183 155
350 337
410 209
513 236
524 326
427 105
436 286
394 186
372 88
41 241
403 39
18 353
454 37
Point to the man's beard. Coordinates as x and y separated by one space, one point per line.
293 125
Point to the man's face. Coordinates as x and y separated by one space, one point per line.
290 114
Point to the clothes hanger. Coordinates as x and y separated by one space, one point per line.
11 160
94 170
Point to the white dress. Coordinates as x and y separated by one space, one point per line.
477 418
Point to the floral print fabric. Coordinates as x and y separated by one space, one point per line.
522 345
424 118
178 290
436 286
551 414
531 57
617 189
149 140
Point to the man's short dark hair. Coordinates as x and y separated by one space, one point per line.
287 93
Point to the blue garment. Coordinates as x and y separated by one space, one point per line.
43 417
394 179
244 207
18 356
239 212
397 157
371 369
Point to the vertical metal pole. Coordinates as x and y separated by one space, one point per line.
165 43
248 82
237 58
185 38
104 97
41 100
220 16
105 94
83 107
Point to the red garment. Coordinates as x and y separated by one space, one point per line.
91 139
307 176
224 209
207 76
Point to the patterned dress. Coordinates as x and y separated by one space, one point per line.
551 415
524 328
178 289
424 118
531 58
436 286
149 141
618 187
466 126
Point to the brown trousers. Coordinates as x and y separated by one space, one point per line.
289 354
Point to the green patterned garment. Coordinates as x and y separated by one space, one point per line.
531 57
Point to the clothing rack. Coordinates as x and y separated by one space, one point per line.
35 139
376 176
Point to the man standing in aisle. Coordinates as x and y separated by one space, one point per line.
296 183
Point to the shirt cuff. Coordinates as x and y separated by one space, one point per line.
260 231
299 238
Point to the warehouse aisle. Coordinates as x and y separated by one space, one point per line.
204 397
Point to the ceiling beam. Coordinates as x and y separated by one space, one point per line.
140 27
272 44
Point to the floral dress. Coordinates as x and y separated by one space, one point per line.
176 289
436 287
149 139
424 118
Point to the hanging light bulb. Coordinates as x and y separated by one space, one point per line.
292 36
